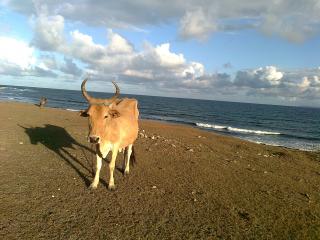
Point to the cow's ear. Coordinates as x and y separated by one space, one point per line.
114 113
83 113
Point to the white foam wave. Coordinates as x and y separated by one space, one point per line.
72 110
206 125
252 131
240 130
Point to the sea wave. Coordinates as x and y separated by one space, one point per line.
166 119
206 125
72 110
239 130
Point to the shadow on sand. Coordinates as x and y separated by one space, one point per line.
58 140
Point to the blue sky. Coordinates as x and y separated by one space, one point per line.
261 52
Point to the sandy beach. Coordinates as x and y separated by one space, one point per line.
187 184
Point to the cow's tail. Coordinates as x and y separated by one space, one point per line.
133 160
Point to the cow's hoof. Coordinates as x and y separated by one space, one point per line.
126 173
93 186
111 187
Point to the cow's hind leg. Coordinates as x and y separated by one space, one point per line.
127 164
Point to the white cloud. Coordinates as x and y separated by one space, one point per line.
293 20
162 56
48 32
195 83
304 84
16 53
83 47
194 70
196 24
69 67
159 66
113 57
263 77
119 57
270 73
146 74
48 61
309 87
156 67
118 44
19 59
291 85
316 81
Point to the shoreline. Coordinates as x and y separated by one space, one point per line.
195 125
270 132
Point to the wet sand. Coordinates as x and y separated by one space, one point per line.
187 184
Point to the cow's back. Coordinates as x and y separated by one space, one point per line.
128 108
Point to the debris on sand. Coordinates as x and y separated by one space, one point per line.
141 134
307 195
244 215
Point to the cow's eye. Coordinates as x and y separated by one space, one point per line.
106 116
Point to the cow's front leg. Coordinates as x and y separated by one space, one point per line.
112 163
95 182
104 154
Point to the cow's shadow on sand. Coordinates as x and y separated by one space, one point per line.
58 140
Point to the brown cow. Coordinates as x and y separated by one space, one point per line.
113 126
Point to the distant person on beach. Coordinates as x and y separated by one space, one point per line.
43 101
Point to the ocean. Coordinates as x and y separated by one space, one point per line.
292 127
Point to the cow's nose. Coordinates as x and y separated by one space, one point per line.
94 139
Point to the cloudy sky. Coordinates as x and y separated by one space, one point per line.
250 51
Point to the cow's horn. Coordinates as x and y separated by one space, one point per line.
93 100
117 93
84 91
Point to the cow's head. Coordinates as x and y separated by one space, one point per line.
100 112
